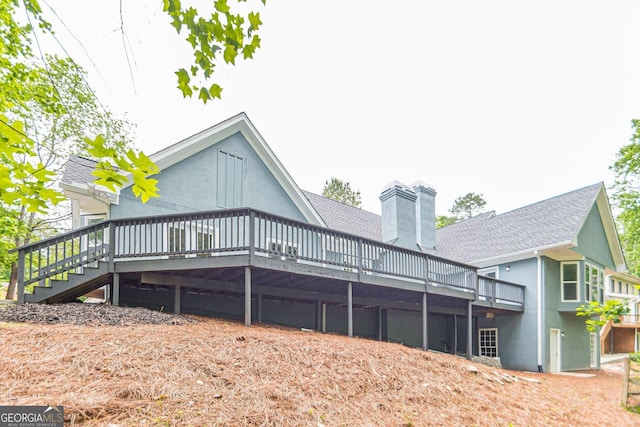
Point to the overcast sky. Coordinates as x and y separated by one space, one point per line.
516 100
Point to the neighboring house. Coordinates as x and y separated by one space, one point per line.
623 337
232 235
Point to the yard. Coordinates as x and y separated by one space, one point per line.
111 366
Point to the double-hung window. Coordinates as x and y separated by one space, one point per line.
593 283
569 282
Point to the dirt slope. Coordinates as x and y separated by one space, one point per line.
212 372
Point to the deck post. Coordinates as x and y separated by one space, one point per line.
350 308
247 296
176 300
455 333
115 289
379 323
469 330
319 316
21 260
425 336
324 317
259 302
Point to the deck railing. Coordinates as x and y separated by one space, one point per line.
630 319
256 233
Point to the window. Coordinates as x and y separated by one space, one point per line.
569 281
289 249
488 342
489 272
230 180
187 237
593 283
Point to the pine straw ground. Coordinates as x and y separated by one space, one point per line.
213 372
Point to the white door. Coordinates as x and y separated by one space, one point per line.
554 350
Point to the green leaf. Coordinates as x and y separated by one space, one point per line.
183 82
221 6
215 91
204 95
230 54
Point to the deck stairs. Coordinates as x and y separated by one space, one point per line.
72 285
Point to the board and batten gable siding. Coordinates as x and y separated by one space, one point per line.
227 174
517 332
592 240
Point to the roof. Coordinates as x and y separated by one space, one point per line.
548 225
79 170
347 219
545 224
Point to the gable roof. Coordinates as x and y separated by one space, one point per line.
77 173
551 225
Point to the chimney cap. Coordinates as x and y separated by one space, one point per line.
397 188
421 186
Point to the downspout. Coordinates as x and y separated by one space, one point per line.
540 294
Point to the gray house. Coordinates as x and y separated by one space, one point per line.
233 236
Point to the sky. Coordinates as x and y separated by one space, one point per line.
516 100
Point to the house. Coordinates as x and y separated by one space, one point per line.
234 236
623 337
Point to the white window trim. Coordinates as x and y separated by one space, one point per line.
578 285
481 347
486 271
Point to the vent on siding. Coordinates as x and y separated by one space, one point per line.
230 177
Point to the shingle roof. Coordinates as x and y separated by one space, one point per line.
79 169
546 223
345 218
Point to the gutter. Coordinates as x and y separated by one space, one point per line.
539 296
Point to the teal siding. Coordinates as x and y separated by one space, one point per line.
194 185
592 240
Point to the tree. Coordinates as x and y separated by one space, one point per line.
599 315
467 206
464 207
46 113
222 33
443 221
341 191
58 120
626 198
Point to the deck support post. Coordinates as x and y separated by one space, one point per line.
247 296
259 302
455 334
425 336
380 323
115 289
469 329
350 308
319 316
21 261
176 300
324 317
